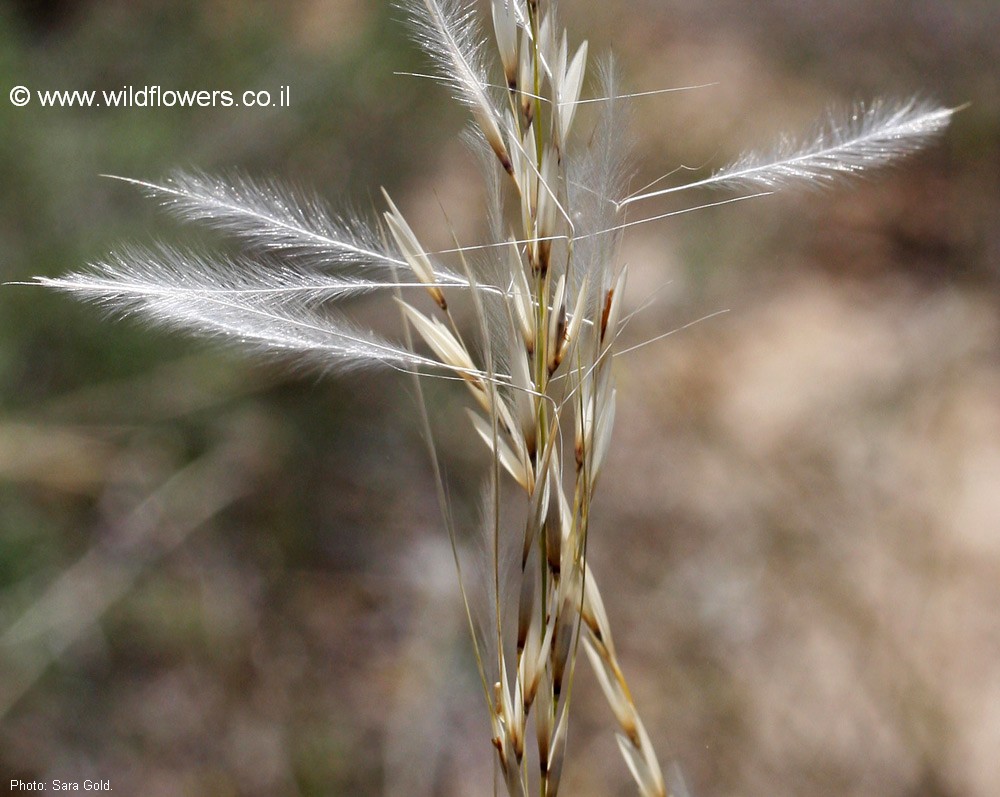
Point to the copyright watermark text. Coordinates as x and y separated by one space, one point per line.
151 97
60 785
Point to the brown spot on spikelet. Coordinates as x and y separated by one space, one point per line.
606 312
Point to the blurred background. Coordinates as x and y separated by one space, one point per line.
219 577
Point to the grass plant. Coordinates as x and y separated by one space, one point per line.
547 298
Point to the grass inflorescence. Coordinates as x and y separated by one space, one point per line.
547 295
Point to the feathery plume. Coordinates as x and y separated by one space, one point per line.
270 310
269 217
872 137
446 29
